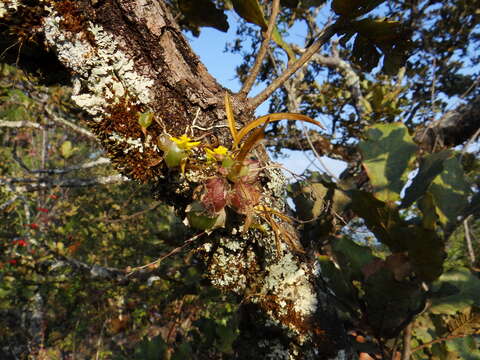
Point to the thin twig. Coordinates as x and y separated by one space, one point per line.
468 239
8 48
252 76
317 155
20 124
433 88
436 341
77 128
40 184
325 36
407 338
131 216
163 257
470 142
474 84
209 128
8 202
87 165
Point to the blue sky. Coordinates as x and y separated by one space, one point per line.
210 47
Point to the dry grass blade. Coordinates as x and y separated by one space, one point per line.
280 231
268 119
276 232
266 209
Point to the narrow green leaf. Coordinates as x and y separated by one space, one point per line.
280 42
387 153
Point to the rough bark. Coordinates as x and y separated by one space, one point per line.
129 56
454 128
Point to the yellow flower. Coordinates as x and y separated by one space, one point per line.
217 154
184 142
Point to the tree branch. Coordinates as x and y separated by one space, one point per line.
8 202
324 37
20 124
58 119
436 341
147 272
247 86
407 338
453 128
468 239
84 166
41 184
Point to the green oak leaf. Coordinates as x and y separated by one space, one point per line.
430 167
387 152
450 191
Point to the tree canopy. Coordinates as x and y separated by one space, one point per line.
143 217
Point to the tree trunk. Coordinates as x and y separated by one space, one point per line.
129 56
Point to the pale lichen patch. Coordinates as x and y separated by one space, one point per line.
8 5
231 263
207 247
288 280
276 182
223 274
133 144
276 351
104 73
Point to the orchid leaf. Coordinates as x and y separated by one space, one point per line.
271 118
231 119
253 139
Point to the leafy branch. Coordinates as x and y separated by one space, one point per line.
247 86
322 39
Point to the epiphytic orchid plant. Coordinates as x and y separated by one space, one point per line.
235 183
